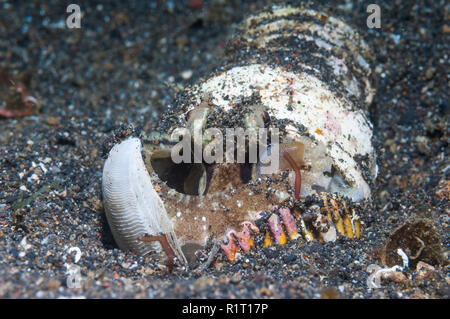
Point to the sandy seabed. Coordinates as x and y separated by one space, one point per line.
124 66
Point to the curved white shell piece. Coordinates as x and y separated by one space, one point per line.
133 208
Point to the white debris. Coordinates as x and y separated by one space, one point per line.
186 74
43 168
422 265
33 177
46 240
374 280
377 272
330 235
404 256
24 246
396 38
77 253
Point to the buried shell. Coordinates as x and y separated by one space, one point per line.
132 206
294 69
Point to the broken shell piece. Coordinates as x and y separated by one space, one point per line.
329 235
133 208
424 271
326 229
378 273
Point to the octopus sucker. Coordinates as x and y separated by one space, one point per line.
301 77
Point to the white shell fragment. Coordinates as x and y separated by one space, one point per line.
340 133
133 208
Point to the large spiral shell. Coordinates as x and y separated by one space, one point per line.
310 73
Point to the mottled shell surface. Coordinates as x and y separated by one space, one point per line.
336 132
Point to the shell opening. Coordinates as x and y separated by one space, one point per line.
186 178
198 179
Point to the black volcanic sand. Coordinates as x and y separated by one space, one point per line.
124 66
